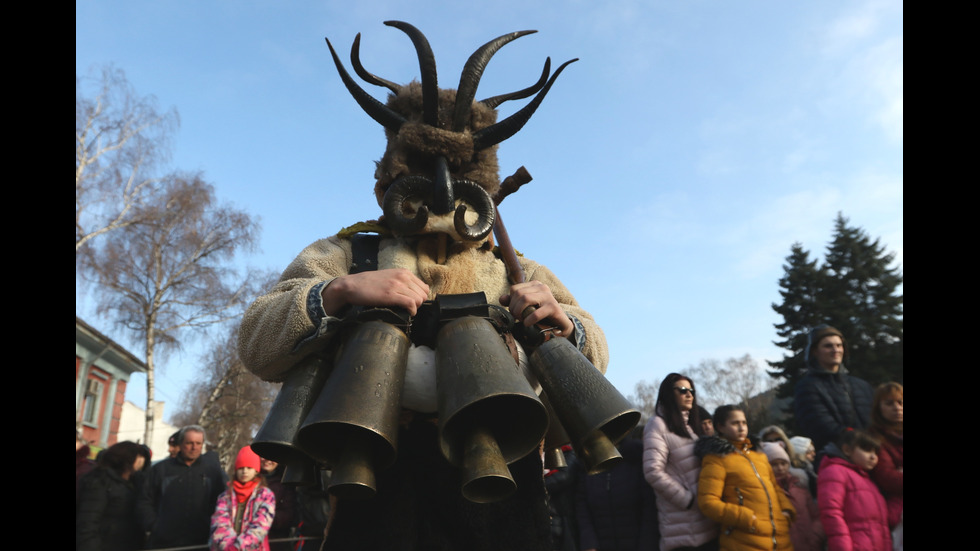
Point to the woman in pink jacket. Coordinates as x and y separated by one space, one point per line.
670 466
244 512
852 510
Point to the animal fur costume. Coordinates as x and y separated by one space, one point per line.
418 503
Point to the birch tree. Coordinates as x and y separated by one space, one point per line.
121 139
227 400
172 270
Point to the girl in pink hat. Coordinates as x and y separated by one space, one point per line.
244 511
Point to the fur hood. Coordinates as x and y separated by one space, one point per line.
716 445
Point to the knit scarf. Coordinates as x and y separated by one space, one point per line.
243 490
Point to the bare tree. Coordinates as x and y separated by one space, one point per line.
120 139
740 381
172 270
644 398
228 400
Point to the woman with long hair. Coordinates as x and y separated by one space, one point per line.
671 467
106 516
887 421
737 487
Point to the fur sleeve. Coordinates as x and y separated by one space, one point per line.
595 348
278 321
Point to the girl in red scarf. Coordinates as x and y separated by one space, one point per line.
244 512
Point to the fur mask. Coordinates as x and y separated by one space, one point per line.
439 173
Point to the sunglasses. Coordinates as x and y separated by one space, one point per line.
684 390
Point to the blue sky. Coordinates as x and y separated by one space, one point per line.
674 164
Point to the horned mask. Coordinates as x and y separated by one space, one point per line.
439 173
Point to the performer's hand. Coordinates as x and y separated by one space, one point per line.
547 311
389 288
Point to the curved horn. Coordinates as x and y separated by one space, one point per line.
480 200
355 60
506 128
494 101
472 72
427 68
375 109
400 191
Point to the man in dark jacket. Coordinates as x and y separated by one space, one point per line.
179 495
828 400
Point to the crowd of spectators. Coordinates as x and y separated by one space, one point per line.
687 480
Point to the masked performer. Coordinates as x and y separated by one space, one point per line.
436 183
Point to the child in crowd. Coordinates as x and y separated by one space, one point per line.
775 434
738 490
852 510
806 532
244 511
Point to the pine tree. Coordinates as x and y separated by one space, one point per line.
856 290
800 288
862 293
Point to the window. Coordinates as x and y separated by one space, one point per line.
93 391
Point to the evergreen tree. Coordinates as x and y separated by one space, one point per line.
856 290
800 288
862 293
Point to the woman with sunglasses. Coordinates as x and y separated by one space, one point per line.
670 466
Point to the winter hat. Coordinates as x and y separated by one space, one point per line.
816 335
248 458
774 451
801 444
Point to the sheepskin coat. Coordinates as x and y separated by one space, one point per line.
671 468
418 503
737 489
852 510
277 330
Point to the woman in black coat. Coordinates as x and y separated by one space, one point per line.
106 515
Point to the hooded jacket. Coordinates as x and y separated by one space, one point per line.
852 510
738 490
672 469
826 403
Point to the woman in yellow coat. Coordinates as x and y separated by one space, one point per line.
738 490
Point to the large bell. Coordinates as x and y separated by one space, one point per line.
593 413
276 439
554 439
353 426
300 473
489 415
